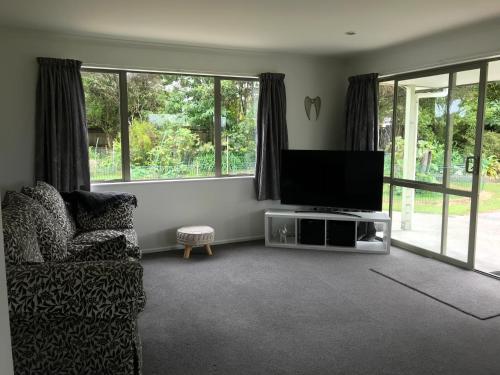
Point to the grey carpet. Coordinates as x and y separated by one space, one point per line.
469 292
256 310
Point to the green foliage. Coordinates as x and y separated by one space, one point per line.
192 97
145 95
171 125
106 162
385 99
491 143
492 113
491 166
176 144
102 103
432 120
431 136
143 137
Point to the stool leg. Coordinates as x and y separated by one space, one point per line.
187 251
209 250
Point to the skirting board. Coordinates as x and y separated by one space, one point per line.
217 242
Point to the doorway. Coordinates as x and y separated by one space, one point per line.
441 176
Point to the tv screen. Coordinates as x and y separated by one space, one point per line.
336 179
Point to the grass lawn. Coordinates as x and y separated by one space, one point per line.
432 203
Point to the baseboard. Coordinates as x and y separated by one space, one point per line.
217 242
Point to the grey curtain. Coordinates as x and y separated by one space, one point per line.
272 135
62 158
362 126
362 113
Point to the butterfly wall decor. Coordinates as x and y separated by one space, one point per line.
308 102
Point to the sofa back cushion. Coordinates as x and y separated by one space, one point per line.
51 237
20 236
117 216
51 200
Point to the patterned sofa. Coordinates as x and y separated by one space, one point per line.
74 284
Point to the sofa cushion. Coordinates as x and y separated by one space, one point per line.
51 237
117 216
19 233
114 248
49 197
97 236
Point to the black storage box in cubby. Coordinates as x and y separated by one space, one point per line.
341 233
311 232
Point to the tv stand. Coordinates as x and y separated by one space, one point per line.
332 231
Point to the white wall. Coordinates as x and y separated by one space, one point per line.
454 46
228 205
6 366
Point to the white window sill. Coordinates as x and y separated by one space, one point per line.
180 180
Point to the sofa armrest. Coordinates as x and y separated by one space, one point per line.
100 289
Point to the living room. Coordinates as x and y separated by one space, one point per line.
203 314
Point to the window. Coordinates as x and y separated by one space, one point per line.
154 126
102 99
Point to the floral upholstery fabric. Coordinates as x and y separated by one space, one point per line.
49 197
76 318
96 236
119 216
51 237
113 249
75 346
75 313
98 290
20 238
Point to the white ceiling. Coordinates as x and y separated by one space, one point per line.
305 26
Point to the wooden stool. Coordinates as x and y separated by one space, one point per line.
190 237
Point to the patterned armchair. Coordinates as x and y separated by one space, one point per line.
74 295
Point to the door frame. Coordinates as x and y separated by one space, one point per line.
473 194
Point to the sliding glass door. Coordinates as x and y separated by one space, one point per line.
433 159
487 254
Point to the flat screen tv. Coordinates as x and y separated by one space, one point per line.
333 179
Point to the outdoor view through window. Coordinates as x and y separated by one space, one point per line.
171 125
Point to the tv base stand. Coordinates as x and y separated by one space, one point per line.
332 231
326 211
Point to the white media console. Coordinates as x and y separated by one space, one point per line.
326 231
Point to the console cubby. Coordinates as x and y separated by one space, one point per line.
311 232
341 233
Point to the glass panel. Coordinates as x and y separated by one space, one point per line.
420 128
386 198
463 117
488 233
239 118
457 239
417 217
171 126
385 107
102 99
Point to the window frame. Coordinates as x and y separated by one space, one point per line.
124 125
